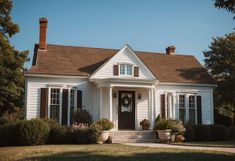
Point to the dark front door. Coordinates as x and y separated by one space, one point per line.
126 110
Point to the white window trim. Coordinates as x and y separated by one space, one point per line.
187 105
182 94
125 64
60 101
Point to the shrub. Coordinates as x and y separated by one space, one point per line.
51 123
189 133
87 135
94 133
8 135
61 135
177 127
105 124
202 132
219 132
82 116
32 132
4 120
232 133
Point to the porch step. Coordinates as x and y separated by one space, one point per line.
133 137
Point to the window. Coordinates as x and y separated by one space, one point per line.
126 69
55 104
122 69
72 104
192 109
182 108
129 69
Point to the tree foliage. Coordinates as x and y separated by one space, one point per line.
11 63
220 62
229 5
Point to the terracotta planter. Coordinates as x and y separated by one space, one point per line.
164 135
104 135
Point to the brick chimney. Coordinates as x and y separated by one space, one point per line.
43 33
170 50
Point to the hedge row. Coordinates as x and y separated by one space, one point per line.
38 131
209 133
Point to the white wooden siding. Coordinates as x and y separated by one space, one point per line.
34 84
206 92
123 56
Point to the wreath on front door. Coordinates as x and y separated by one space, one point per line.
126 101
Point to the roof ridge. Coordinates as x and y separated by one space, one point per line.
136 51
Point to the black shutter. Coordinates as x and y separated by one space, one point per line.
115 69
199 109
79 99
44 103
163 108
64 106
136 71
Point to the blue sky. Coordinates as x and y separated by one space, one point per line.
146 25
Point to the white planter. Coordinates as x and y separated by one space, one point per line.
104 135
164 135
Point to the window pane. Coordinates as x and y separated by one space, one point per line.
182 115
129 69
71 106
191 101
54 112
55 104
122 69
181 101
192 115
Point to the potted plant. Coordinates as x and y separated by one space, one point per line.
105 126
163 127
145 124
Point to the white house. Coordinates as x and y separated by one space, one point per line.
125 86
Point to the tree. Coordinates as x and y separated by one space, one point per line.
220 62
229 5
11 63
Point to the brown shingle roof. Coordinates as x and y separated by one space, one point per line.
83 61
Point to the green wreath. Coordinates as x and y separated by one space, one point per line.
126 101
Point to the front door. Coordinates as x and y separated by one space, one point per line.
126 110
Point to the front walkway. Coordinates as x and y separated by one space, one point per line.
158 145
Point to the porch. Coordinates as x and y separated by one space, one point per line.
125 103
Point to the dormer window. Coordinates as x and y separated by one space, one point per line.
126 69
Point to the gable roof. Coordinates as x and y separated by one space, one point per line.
83 61
144 71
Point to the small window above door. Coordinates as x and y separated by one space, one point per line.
126 69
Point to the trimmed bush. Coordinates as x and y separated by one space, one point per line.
105 124
32 132
232 133
189 133
88 135
202 132
219 132
8 135
61 135
82 116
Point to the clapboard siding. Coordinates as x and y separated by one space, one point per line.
123 56
34 84
205 91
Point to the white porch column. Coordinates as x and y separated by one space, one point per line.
101 102
150 113
152 109
110 104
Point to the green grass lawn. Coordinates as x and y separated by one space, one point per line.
107 152
225 144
